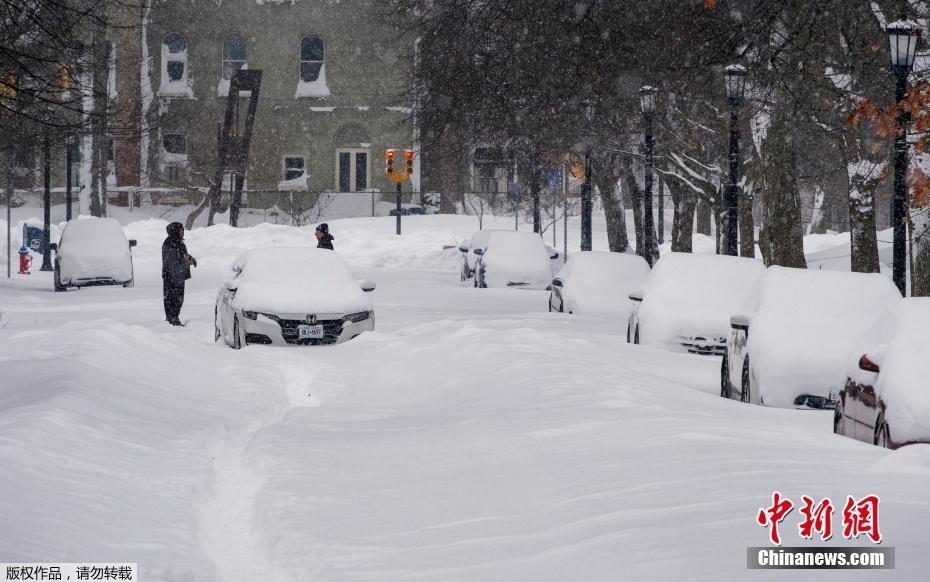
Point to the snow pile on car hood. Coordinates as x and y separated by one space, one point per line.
689 295
806 324
94 248
517 258
599 283
296 280
898 344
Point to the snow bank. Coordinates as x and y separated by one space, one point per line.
689 295
805 326
94 248
598 283
296 280
898 344
516 257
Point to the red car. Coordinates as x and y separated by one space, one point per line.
886 399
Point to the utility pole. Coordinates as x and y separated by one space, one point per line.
648 102
47 203
9 207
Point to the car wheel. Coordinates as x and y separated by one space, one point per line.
216 325
636 334
237 338
745 386
464 273
57 277
481 284
838 418
130 283
881 433
550 304
726 390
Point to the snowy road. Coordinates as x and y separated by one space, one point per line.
474 436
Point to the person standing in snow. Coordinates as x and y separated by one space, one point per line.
175 270
323 238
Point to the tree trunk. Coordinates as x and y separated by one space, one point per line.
781 238
704 218
747 230
98 121
635 195
863 176
607 181
920 256
683 222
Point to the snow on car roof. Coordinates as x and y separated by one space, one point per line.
96 228
598 282
689 293
296 280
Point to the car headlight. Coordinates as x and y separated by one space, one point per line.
357 317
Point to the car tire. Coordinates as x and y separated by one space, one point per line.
838 418
57 278
481 284
880 438
745 384
237 337
726 389
216 325
130 283
464 274
636 334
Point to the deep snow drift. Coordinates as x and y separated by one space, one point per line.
474 436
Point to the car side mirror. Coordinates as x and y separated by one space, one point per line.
366 285
54 247
636 296
554 255
463 248
478 252
556 282
230 285
739 322
868 365
133 242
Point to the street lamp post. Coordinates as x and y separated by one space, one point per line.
69 162
734 77
647 97
586 186
47 203
902 37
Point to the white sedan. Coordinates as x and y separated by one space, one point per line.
514 259
292 296
789 343
598 283
93 251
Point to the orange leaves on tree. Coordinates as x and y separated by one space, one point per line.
920 188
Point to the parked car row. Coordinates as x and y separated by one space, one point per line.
507 258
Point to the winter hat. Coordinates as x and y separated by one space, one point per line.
173 228
323 227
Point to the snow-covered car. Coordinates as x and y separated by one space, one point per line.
686 302
598 283
788 343
479 240
93 251
886 400
514 259
292 296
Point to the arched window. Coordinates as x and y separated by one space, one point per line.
174 56
234 54
311 57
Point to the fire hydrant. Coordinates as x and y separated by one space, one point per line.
25 260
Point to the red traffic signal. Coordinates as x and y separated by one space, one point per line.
389 162
408 161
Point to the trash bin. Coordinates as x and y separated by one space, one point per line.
34 238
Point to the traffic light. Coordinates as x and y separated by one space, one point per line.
389 162
408 161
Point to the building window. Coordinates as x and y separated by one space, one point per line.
293 168
234 54
174 143
174 56
311 58
352 170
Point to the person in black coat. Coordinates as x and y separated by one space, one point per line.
324 240
175 270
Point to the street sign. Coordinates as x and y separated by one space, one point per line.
554 179
514 191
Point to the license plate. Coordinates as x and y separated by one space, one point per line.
310 332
